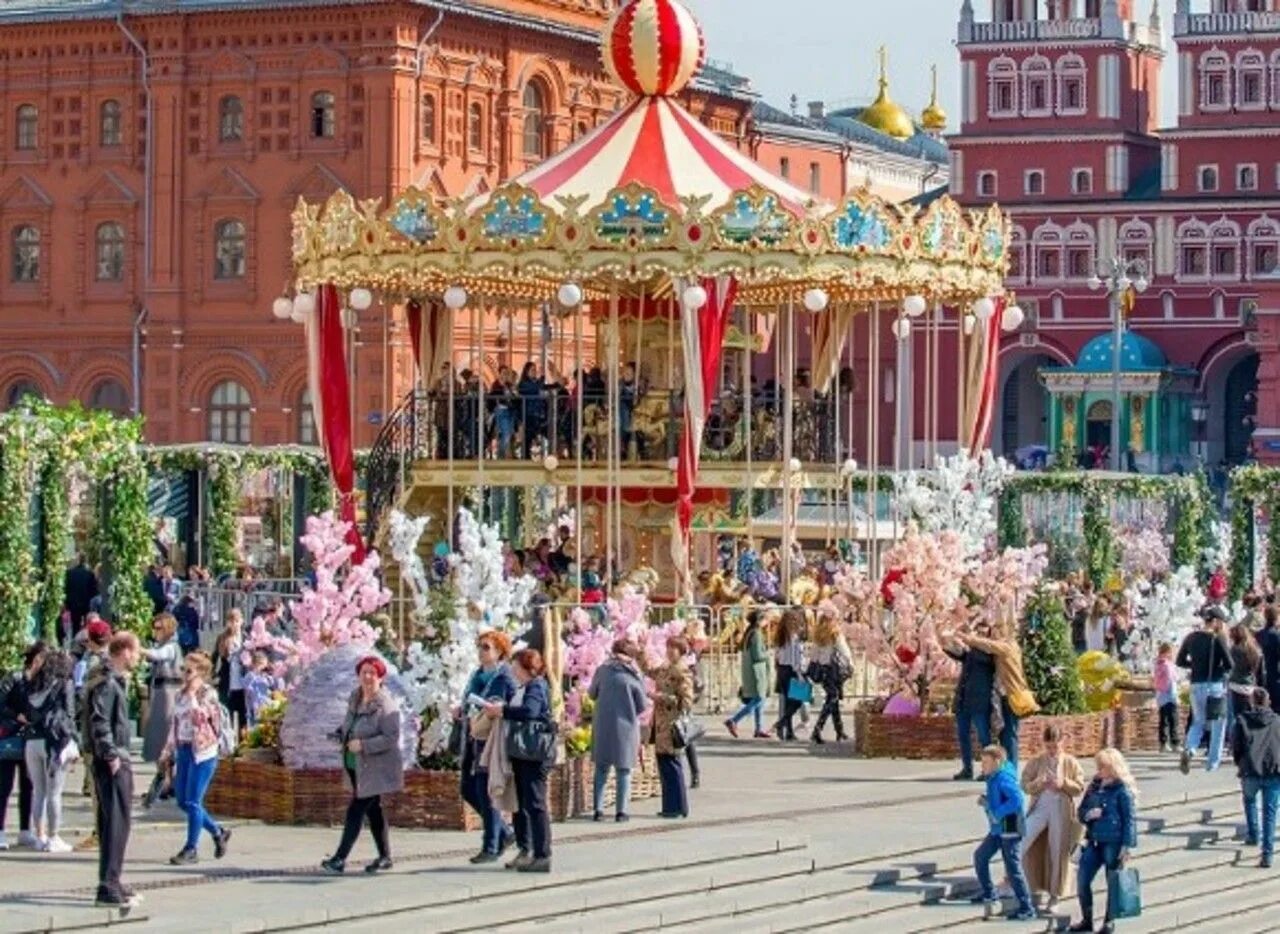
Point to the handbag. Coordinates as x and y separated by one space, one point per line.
1023 703
531 741
1124 893
479 726
12 748
686 731
800 690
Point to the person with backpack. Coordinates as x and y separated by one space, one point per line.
1255 747
195 740
831 666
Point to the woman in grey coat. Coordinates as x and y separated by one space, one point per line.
370 737
618 691
165 680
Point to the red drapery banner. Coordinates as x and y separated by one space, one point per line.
985 378
431 335
331 403
702 333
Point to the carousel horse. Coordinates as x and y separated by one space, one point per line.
650 424
595 430
642 580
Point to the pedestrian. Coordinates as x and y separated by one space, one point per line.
617 688
80 586
107 735
1246 670
1003 802
164 680
973 703
1165 680
491 681
231 667
51 747
97 638
188 619
754 672
1255 747
831 666
1053 782
788 659
531 703
1097 631
192 752
13 722
1013 699
259 683
1108 812
1206 654
370 737
1269 643
672 697
696 638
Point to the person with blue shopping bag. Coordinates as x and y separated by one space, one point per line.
1108 811
1004 803
793 690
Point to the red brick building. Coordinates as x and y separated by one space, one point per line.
149 163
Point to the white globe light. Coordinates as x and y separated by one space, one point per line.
984 308
298 315
969 322
1095 283
915 305
796 466
550 462
304 303
455 298
282 307
1012 318
570 295
902 328
1124 283
361 299
673 464
349 319
849 468
695 297
1141 283
815 300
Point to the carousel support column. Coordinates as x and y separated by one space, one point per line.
788 442
614 357
578 517
449 430
876 390
481 432
748 408
961 381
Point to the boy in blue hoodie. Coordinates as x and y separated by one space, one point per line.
1004 805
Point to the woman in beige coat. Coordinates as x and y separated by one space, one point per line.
1053 782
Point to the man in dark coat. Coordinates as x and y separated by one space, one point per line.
80 586
973 703
1269 642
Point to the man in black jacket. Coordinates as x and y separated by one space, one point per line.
1206 653
107 733
1269 642
81 586
1255 746
973 702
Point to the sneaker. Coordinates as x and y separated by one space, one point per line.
122 900
761 734
732 728
381 864
220 843
56 844
535 865
27 839
42 845
598 816
1023 914
521 859
981 899
964 775
484 856
4 841
1250 841
621 818
1184 762
334 866
184 857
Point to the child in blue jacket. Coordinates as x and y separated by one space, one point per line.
1004 803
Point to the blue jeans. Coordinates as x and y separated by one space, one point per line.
191 782
1217 729
1009 732
475 791
754 707
965 722
1094 857
623 796
1269 788
1010 848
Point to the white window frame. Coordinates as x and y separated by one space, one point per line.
1217 175
1071 68
1193 234
1251 61
1243 167
1002 70
1225 235
1029 174
1037 69
995 184
1264 231
1273 84
1088 173
1215 62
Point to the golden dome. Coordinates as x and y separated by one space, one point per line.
934 118
883 114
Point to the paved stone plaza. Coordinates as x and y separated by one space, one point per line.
780 840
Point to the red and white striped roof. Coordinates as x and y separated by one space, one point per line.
655 142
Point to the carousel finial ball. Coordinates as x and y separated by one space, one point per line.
282 307
815 300
361 299
984 308
695 297
914 305
455 298
1012 318
570 295
653 48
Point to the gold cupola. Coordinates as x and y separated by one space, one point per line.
934 118
883 114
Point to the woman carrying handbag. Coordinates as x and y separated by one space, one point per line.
672 697
530 744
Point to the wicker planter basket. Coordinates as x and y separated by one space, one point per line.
934 737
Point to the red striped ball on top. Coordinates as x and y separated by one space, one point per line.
653 47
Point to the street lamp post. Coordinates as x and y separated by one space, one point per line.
1117 276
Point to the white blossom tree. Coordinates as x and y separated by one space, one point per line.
960 495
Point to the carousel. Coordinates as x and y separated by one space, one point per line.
688 370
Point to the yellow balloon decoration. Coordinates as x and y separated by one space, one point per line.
1102 677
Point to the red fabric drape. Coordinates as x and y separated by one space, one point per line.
980 431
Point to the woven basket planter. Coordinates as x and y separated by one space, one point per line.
934 737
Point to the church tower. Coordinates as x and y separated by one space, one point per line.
1059 100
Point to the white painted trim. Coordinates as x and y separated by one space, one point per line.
1026 181
1217 177
1075 172
1257 178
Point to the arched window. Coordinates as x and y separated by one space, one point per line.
535 121
324 120
230 414
109 246
1193 250
1251 80
307 419
429 119
110 129
27 131
1034 182
475 127
1071 85
230 119
19 391
1215 81
1036 80
581 130
1208 178
1082 181
1225 250
1264 247
26 254
987 184
1002 88
1247 177
1136 239
110 396
228 250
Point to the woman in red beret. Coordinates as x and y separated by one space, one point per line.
370 737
